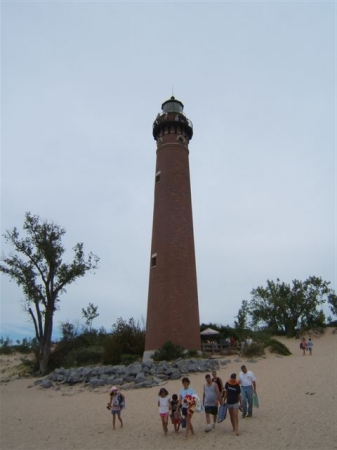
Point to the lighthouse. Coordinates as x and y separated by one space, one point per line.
172 309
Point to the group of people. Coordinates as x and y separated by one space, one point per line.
236 394
306 345
230 342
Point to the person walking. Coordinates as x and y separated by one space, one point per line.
232 396
175 412
164 404
303 345
210 400
217 380
309 346
187 404
248 388
115 405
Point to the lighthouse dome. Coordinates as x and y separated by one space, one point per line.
172 105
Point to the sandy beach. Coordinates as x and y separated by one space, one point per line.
297 394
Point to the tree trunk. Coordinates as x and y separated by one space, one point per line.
46 343
44 358
290 326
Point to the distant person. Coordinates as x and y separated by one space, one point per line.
116 404
309 346
164 403
232 396
210 399
214 346
175 413
232 341
303 345
248 388
186 403
217 380
249 341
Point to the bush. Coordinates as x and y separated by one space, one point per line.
168 352
27 345
84 356
276 346
126 360
255 349
192 354
31 365
127 338
6 346
112 351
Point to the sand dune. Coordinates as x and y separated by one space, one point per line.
298 398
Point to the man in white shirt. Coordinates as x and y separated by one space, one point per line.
248 388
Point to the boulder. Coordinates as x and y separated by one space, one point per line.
175 375
134 369
46 383
140 377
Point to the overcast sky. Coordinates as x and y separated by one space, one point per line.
81 86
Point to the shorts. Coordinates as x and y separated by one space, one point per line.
233 406
211 410
175 418
164 414
116 412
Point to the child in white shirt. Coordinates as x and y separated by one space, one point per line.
164 403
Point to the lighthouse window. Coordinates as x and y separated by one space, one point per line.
158 177
154 260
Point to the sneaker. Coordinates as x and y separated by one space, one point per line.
208 428
249 415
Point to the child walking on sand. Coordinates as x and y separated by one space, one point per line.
175 413
116 404
164 403
187 401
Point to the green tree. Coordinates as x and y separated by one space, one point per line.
38 268
283 308
332 300
89 314
241 323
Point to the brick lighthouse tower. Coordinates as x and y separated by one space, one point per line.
172 310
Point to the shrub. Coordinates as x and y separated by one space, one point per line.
255 349
168 352
27 345
276 346
127 338
192 354
112 352
32 366
126 360
6 346
84 356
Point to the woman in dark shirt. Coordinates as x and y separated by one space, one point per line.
232 396
217 380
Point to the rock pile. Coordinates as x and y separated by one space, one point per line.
134 376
